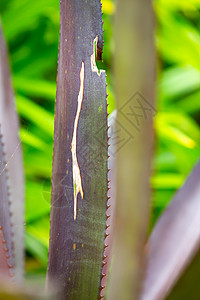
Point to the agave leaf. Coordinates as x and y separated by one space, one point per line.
13 157
79 178
173 249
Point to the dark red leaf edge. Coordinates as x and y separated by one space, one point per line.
110 202
5 268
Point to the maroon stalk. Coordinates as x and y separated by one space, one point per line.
79 178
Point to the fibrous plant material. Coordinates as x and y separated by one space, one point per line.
79 177
173 249
13 161
134 81
77 183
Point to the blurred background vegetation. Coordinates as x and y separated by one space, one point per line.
32 31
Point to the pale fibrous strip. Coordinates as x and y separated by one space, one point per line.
77 183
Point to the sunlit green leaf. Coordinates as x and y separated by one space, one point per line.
36 114
35 87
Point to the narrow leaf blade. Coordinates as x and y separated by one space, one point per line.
173 248
13 157
79 178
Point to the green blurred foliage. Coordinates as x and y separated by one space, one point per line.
178 89
32 31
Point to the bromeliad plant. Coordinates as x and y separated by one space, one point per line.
84 223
